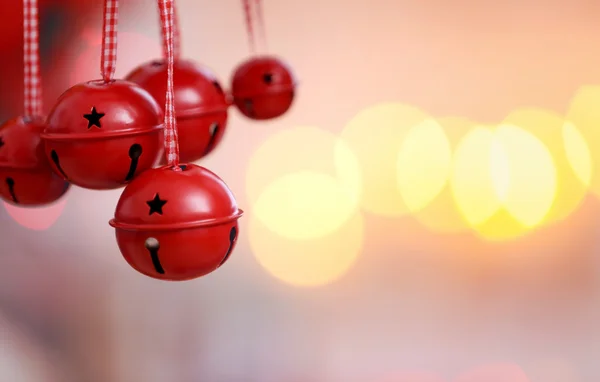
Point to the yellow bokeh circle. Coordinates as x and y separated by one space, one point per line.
307 262
441 213
582 137
471 182
376 135
524 178
564 142
304 205
423 164
578 153
532 180
304 187
303 183
303 148
504 181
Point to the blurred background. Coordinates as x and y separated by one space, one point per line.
426 212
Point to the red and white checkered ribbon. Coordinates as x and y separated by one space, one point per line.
31 59
252 8
171 140
176 36
108 61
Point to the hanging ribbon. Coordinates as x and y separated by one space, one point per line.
176 35
260 19
31 59
252 8
247 5
108 61
171 140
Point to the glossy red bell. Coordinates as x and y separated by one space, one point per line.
200 104
101 135
25 174
176 225
263 88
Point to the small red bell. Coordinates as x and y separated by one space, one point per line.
176 224
101 135
263 88
200 104
25 173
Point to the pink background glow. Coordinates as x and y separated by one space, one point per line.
417 306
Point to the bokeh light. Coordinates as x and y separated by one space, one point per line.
304 202
532 176
584 114
442 214
559 137
504 181
307 262
376 135
499 372
37 218
578 153
304 205
471 181
524 178
423 164
298 149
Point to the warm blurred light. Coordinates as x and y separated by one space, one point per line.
504 181
578 153
302 149
500 372
304 205
442 214
308 263
562 140
414 376
133 49
471 181
532 179
37 218
424 164
376 135
584 113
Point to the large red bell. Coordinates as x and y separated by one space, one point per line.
176 225
263 88
101 135
200 104
25 173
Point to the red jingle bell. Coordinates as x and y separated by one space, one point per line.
200 104
263 88
176 224
26 176
100 135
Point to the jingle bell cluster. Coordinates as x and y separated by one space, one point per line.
173 221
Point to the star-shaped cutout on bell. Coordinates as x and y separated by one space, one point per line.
156 205
1 142
93 118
